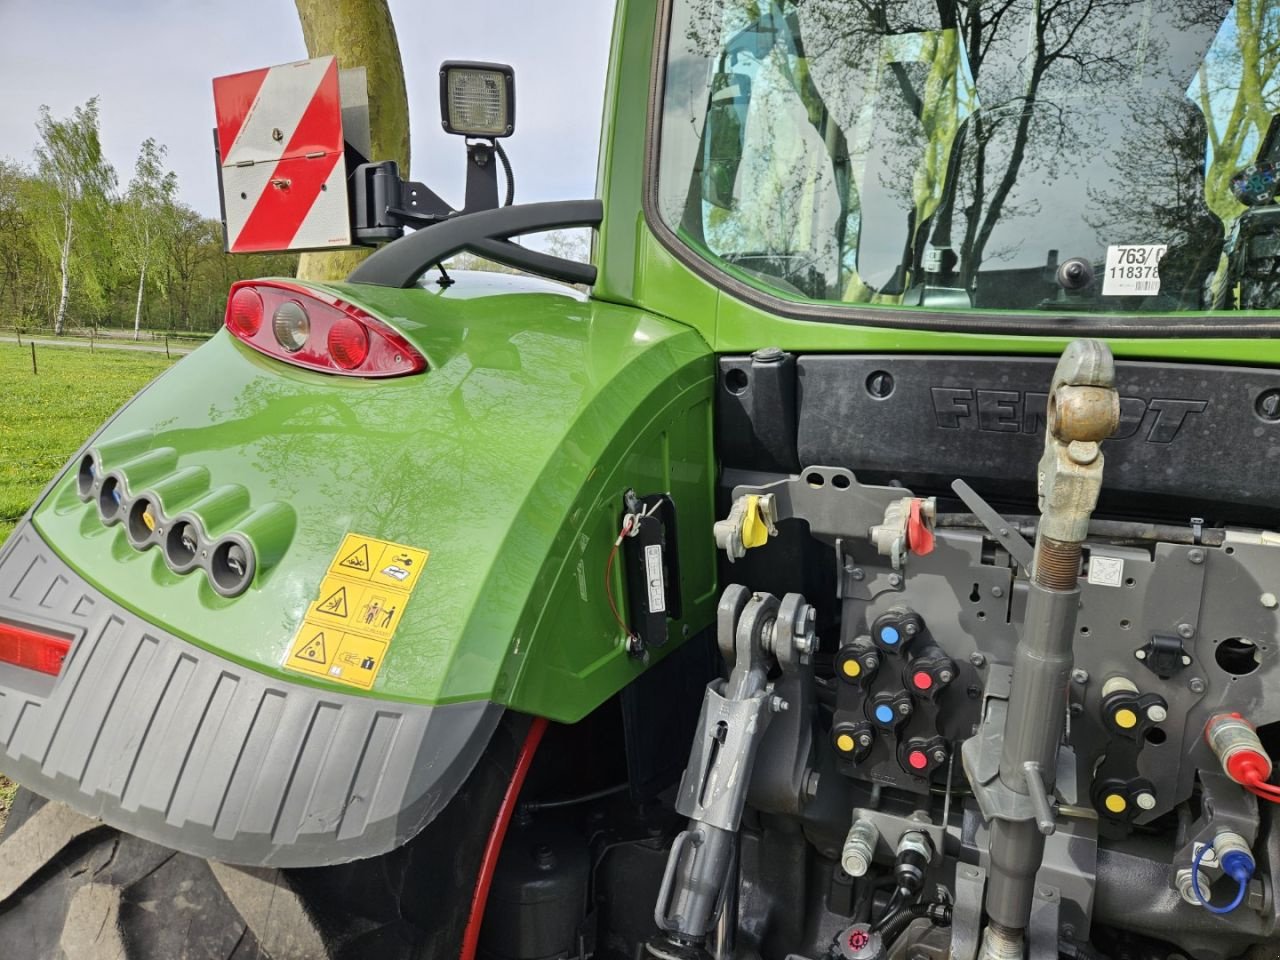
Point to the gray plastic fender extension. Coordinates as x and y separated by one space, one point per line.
164 740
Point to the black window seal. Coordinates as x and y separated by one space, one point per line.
1157 327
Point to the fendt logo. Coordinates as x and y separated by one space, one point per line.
1012 411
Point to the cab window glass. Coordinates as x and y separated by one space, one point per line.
1109 155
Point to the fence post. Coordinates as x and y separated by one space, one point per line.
33 359
166 346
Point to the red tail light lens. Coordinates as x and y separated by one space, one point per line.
348 343
30 650
244 312
339 337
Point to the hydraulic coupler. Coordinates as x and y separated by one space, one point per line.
753 630
1083 410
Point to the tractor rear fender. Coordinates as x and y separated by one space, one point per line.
205 721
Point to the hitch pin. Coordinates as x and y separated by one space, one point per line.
1039 798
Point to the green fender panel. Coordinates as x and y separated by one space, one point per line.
507 461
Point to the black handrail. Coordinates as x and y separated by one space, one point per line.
488 233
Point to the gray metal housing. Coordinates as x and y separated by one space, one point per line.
162 739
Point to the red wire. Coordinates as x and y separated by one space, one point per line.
498 833
1261 788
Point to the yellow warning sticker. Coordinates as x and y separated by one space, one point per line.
341 657
348 627
379 561
362 607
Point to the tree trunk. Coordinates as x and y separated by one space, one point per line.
137 312
361 34
60 320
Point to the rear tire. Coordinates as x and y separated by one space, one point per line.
76 889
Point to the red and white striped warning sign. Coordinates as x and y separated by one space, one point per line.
281 157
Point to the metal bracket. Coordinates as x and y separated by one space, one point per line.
980 755
1042 929
1164 656
996 525
966 916
831 499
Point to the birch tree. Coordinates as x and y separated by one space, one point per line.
148 209
69 158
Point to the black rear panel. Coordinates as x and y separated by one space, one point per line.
1194 439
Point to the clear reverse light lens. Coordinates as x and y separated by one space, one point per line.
291 326
478 103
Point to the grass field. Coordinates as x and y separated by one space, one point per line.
45 416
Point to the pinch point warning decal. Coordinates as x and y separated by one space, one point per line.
348 627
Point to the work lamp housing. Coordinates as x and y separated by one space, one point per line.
477 99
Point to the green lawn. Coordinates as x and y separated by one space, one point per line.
46 415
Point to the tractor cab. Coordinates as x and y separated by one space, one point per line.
871 553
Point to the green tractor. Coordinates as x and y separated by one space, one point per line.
869 554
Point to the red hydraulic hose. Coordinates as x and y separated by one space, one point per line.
498 833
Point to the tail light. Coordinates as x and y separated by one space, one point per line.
31 650
311 329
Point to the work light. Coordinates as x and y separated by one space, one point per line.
477 99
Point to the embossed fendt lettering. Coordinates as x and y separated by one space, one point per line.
1011 411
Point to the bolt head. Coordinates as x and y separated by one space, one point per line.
977 659
910 629
864 740
1269 601
1157 713
857 573
1186 631
872 663
895 580
1196 685
1195 556
1140 654
1080 675
778 705
939 756
904 708
997 591
1083 452
944 676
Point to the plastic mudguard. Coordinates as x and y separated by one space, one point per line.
175 744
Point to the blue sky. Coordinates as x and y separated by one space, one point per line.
151 62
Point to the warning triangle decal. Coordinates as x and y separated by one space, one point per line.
313 651
335 604
358 559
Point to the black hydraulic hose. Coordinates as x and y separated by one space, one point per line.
506 172
534 806
902 900
937 913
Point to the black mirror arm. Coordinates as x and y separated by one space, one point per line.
488 232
